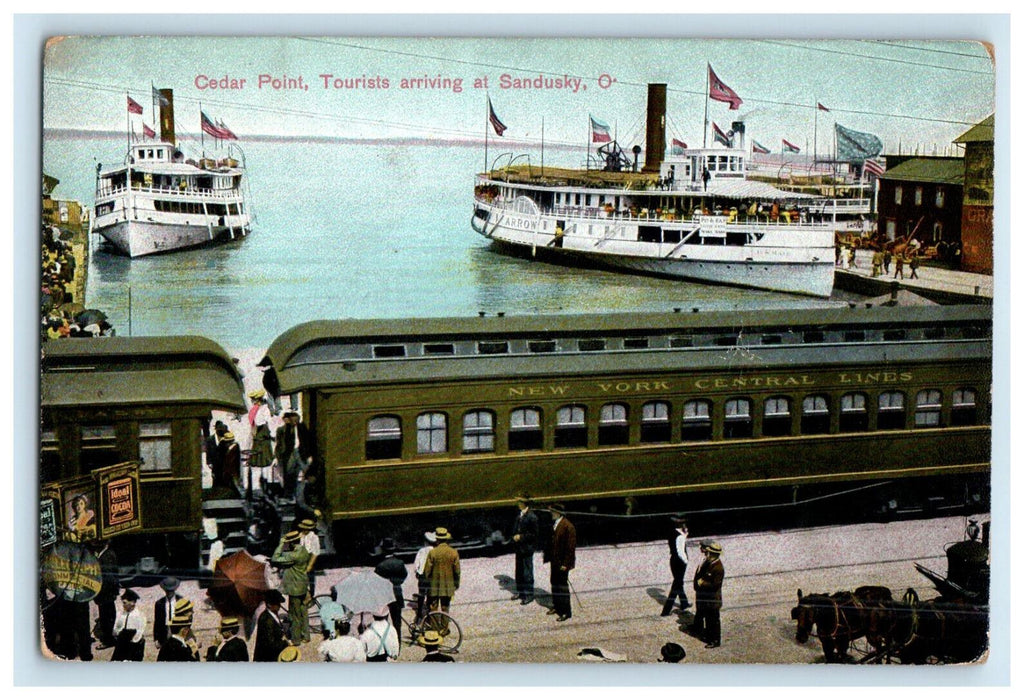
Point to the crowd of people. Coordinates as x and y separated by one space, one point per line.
61 313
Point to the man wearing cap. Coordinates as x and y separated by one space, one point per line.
431 641
562 556
677 565
442 572
164 608
231 459
270 640
342 647
229 647
422 597
214 451
395 571
179 646
525 539
310 541
708 586
294 558
293 451
129 630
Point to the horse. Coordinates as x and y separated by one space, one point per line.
841 618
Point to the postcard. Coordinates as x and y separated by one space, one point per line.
516 350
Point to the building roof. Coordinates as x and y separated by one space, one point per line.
984 131
944 171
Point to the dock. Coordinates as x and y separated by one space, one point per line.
939 284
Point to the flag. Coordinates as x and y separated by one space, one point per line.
225 130
721 92
219 132
134 107
158 97
758 147
720 135
873 167
855 146
788 147
148 132
678 147
499 128
821 107
599 131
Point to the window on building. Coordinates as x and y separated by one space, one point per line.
525 431
613 428
156 446
776 416
937 231
478 431
655 423
853 416
737 418
889 229
898 194
891 411
697 420
99 448
964 407
928 411
50 456
571 427
816 415
383 438
939 197
918 196
431 433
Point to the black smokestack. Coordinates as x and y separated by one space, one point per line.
167 117
655 140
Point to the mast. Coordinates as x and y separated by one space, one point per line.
816 119
486 123
542 145
705 128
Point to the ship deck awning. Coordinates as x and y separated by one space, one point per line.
740 188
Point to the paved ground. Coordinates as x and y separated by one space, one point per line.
621 589
929 277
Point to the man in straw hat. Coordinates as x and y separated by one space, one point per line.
294 558
130 624
442 572
419 566
525 540
708 586
180 645
431 641
294 451
562 556
229 646
164 608
310 541
677 564
270 639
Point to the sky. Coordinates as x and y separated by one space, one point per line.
920 94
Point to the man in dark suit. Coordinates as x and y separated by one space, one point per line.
525 539
109 590
677 565
708 586
395 571
214 451
230 647
293 450
164 609
562 556
179 646
271 639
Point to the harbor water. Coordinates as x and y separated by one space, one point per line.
350 230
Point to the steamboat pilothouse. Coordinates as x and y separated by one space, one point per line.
695 215
159 201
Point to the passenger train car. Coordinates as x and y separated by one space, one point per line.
622 416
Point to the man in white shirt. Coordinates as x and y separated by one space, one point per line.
677 541
343 648
129 630
310 541
420 573
380 639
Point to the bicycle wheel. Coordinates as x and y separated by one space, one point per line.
449 631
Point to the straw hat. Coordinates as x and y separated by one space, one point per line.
306 525
430 537
183 606
714 548
228 436
292 537
257 394
229 624
430 638
290 654
442 534
182 620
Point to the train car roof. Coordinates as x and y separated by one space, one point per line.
313 354
142 370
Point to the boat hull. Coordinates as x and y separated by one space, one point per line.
140 238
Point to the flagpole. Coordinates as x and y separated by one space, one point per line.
705 128
542 145
816 120
590 132
486 121
128 144
153 119
200 108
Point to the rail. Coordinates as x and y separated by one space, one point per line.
188 193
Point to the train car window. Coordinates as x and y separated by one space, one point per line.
635 343
812 336
934 333
680 342
590 345
928 411
816 415
388 350
771 340
542 345
776 416
964 407
492 347
727 340
478 431
613 427
524 432
895 334
855 336
156 446
383 438
431 433
853 416
571 427
971 332
697 421
655 423
737 418
891 411
98 447
438 349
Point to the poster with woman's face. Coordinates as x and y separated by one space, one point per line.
80 513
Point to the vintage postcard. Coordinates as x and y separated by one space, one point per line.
516 350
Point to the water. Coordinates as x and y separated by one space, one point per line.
345 230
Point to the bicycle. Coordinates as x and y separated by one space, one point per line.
445 625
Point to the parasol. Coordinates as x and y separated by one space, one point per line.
72 572
364 591
239 585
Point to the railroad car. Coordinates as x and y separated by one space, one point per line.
864 409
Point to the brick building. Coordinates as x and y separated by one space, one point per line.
922 196
978 196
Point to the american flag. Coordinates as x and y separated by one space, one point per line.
219 132
873 167
499 128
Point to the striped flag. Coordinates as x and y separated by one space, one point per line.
599 131
133 106
721 92
873 167
820 107
788 147
758 147
720 135
219 132
499 128
148 132
678 147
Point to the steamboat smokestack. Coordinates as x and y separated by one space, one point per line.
655 139
167 116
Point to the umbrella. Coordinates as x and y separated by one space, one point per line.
90 316
239 585
364 591
72 572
